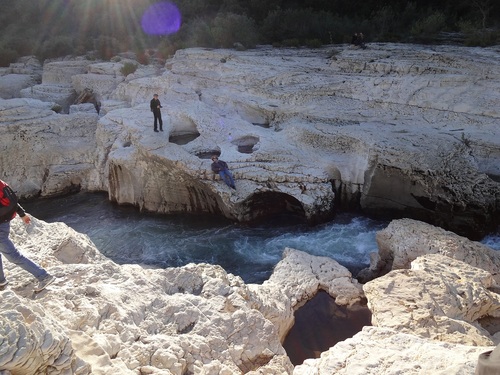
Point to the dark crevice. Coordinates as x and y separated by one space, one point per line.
320 324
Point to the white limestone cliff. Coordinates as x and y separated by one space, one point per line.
396 130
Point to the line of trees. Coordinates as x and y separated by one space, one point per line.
54 28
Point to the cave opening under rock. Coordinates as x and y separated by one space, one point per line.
320 324
271 204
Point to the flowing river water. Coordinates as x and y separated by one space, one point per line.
125 235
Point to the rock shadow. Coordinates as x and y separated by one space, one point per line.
320 324
183 131
246 144
269 204
182 138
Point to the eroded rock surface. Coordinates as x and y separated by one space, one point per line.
404 240
393 130
102 318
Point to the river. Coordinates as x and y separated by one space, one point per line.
125 235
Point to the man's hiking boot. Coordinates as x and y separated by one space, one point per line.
46 281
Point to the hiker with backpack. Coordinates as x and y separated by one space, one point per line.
9 208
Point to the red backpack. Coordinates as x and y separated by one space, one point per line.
8 202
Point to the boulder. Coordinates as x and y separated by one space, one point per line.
24 73
128 319
404 240
384 351
438 298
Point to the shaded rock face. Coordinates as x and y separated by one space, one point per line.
320 324
392 131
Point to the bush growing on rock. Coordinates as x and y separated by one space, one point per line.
128 68
107 47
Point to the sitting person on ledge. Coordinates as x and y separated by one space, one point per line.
358 39
220 167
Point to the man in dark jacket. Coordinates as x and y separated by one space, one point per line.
7 248
220 167
155 108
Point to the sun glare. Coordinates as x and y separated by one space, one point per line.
162 18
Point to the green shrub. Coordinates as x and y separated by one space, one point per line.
107 47
303 24
229 28
476 36
313 43
56 47
166 49
196 33
128 68
295 42
426 29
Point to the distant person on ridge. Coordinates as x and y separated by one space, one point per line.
220 167
358 39
8 210
155 108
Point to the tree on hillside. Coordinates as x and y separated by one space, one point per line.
484 7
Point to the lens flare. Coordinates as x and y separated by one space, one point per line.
162 18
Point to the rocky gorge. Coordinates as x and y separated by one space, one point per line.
401 131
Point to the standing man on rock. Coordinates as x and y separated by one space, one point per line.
155 108
8 210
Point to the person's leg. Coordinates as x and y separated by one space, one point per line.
8 250
227 178
160 121
223 177
231 180
156 121
2 275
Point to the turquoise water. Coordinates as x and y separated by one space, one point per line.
127 236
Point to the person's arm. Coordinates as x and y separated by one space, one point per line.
22 214
215 167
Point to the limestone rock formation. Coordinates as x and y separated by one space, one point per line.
45 153
102 318
24 73
393 130
56 83
439 297
405 240
385 351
